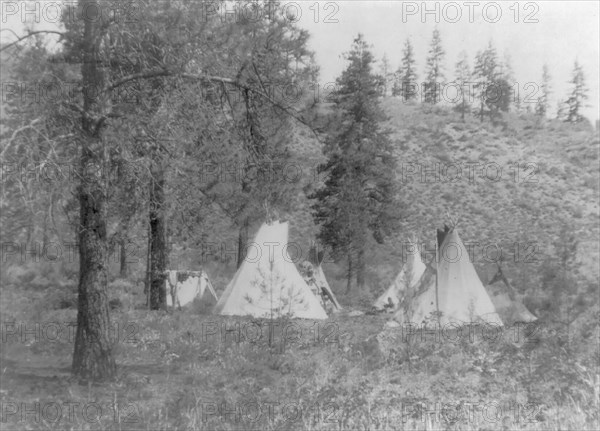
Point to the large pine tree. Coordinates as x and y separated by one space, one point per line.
434 69
494 88
578 95
463 78
406 83
358 195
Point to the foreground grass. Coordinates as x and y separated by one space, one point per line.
192 370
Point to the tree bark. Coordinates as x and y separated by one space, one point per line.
45 239
360 268
123 257
92 357
158 240
481 107
243 241
350 274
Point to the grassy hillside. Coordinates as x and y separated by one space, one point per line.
522 181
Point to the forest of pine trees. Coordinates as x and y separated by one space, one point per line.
485 90
158 102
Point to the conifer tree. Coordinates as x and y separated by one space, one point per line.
406 83
561 110
434 69
578 95
507 79
494 89
386 74
359 194
542 103
463 78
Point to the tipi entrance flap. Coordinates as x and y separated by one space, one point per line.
315 259
210 287
322 282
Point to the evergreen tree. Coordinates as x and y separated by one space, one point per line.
508 76
485 71
463 78
494 89
387 76
578 95
359 194
434 70
406 83
397 83
561 110
542 103
506 69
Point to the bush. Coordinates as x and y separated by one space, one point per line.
18 274
203 305
124 294
115 304
60 297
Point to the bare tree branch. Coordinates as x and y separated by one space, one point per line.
211 78
136 76
16 132
28 35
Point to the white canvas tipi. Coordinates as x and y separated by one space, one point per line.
184 286
267 284
409 276
455 296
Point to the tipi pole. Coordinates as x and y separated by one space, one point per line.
148 278
437 272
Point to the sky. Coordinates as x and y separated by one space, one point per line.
565 31
531 34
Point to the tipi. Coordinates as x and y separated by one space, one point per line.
316 259
454 295
267 284
183 286
409 276
509 307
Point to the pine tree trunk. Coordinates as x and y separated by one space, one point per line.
350 274
92 359
360 268
45 230
482 106
243 241
92 356
123 257
29 230
158 242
